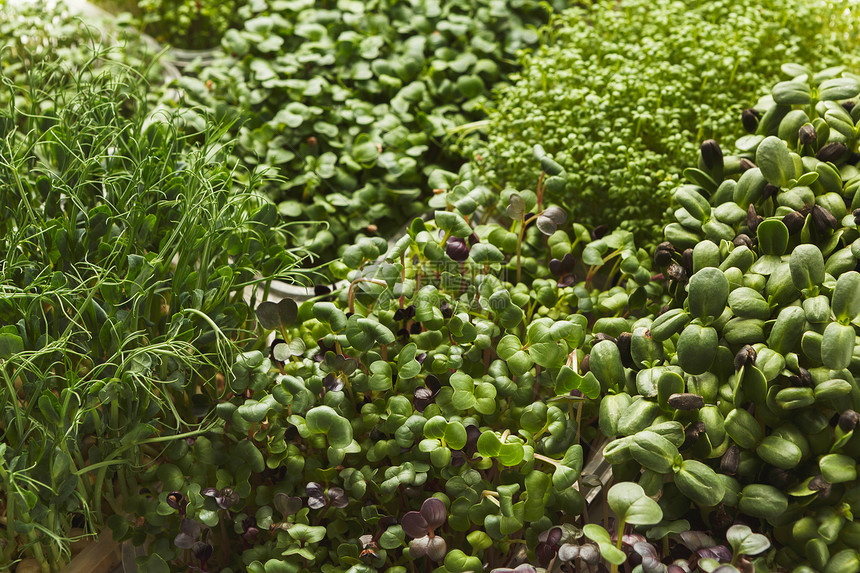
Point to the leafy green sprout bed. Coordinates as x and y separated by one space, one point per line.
124 16
685 418
109 222
622 94
358 129
414 418
192 25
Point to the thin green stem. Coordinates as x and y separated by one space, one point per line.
543 458
618 541
520 236
351 292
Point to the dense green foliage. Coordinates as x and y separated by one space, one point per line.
195 25
452 368
351 102
126 256
443 407
622 94
770 341
421 414
192 24
36 35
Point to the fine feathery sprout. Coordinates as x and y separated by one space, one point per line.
126 251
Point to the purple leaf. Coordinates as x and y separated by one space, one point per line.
287 505
316 502
652 565
457 249
563 267
227 499
313 489
694 540
414 525
404 313
434 512
202 551
423 398
650 559
522 568
516 207
555 214
249 522
546 225
337 497
544 553
386 522
568 262
719 552
645 549
433 383
333 383
472 435
553 536
190 528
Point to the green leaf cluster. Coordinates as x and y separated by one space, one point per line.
750 408
621 97
440 409
353 105
126 256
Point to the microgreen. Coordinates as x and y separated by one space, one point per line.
623 121
127 254
186 24
367 106
438 409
